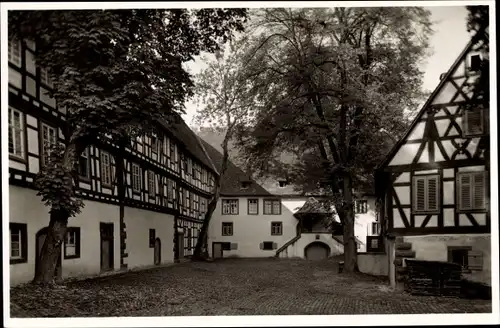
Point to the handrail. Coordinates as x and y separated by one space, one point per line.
288 243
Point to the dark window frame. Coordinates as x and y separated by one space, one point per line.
23 242
78 238
227 224
264 243
280 225
272 200
152 238
248 206
230 200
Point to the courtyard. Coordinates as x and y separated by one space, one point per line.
231 287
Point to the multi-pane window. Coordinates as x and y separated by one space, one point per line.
49 140
227 228
272 206
136 177
361 206
375 228
276 228
253 206
106 168
16 140
71 243
203 205
44 77
15 243
471 190
83 164
187 197
230 206
473 124
170 189
426 194
15 52
151 184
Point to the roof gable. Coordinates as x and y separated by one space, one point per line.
449 91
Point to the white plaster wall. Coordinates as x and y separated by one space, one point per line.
374 264
298 248
26 207
138 222
251 230
363 223
435 248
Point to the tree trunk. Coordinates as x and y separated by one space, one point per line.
51 249
350 249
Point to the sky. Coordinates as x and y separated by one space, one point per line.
449 39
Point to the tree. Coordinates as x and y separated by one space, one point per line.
117 73
330 85
223 91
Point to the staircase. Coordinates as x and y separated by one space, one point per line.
403 251
285 246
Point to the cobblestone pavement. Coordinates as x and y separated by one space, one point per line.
233 287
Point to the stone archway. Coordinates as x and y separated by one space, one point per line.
317 251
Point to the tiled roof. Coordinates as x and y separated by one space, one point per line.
231 184
314 206
189 140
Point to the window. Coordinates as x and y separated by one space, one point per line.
49 140
203 208
136 178
473 124
276 228
152 238
267 245
361 206
283 183
253 206
272 206
230 206
15 52
16 136
475 63
83 164
227 228
187 195
375 228
426 194
44 77
151 184
170 189
18 243
245 185
471 191
106 168
469 259
72 243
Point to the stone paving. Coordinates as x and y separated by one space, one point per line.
234 287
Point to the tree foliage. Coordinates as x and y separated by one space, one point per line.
115 73
330 85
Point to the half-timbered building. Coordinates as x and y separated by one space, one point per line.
147 211
436 178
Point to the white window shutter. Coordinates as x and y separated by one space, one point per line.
432 193
275 245
474 121
475 260
419 194
465 196
479 190
234 246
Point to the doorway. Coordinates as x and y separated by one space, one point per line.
180 244
157 251
217 250
107 251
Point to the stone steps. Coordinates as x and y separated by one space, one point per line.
405 253
403 246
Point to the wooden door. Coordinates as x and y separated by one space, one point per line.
180 245
316 252
217 250
107 246
157 251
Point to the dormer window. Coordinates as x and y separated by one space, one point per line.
245 184
473 123
282 183
475 63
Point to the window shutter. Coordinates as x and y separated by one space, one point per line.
475 260
234 246
432 193
419 189
464 184
261 245
474 121
479 190
275 245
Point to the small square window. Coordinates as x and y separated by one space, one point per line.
267 245
245 185
276 228
283 183
227 228
72 243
